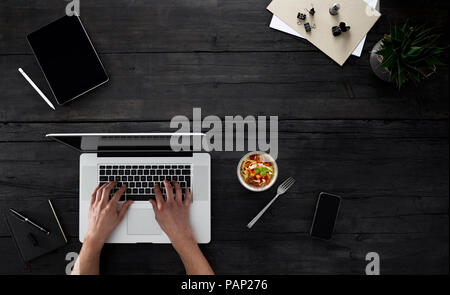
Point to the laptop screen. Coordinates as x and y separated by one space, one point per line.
129 142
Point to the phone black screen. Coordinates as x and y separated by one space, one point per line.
325 216
67 58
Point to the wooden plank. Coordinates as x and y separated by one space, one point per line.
301 129
348 164
174 26
156 87
345 254
290 217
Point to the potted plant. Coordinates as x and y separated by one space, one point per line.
407 53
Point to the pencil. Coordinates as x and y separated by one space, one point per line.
36 88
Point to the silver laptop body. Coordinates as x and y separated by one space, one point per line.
139 160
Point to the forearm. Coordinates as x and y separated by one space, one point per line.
88 262
192 257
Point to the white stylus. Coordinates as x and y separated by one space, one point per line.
36 88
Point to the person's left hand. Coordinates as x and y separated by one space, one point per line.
104 215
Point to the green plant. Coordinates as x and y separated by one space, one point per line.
409 53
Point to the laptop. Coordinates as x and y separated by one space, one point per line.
139 160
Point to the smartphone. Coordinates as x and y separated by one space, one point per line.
325 216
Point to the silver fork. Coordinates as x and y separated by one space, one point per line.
282 188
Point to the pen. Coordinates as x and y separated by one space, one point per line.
27 220
36 88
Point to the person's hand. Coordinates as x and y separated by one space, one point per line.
104 215
172 214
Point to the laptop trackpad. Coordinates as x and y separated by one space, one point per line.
142 222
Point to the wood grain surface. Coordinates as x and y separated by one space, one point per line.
341 130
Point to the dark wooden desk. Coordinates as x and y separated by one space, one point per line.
385 151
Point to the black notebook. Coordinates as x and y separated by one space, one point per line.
31 242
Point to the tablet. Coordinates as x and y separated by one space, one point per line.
67 58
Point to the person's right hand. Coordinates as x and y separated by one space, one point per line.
172 214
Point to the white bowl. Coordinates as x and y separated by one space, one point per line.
251 187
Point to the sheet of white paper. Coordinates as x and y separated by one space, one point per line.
278 24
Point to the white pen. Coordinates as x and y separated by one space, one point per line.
36 88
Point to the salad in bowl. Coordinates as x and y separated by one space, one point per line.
257 171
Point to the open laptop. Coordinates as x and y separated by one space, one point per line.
140 160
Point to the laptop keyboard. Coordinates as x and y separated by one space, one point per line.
140 180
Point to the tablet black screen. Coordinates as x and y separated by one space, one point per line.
67 58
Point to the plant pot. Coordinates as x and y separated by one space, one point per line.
375 63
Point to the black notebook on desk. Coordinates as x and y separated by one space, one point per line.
30 241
